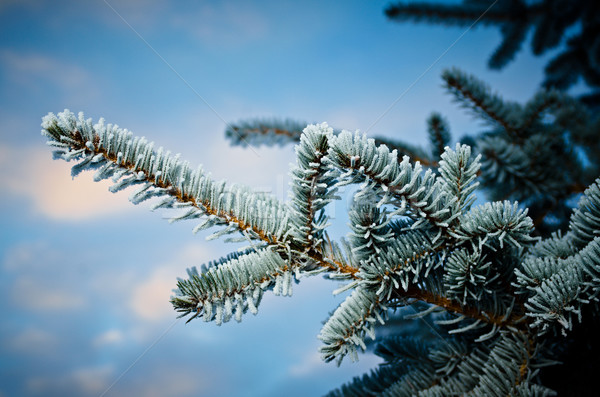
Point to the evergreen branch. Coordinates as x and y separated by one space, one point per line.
414 236
333 264
466 276
549 18
559 287
585 222
495 223
542 101
414 382
499 367
401 261
342 266
386 177
541 167
557 203
370 231
394 283
439 134
233 285
559 71
554 246
405 149
568 274
458 170
450 15
408 256
129 160
507 368
312 178
478 97
272 132
500 320
551 26
371 384
346 328
513 35
264 132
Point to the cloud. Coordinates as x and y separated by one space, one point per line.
231 23
31 268
216 24
26 256
222 23
110 337
7 4
35 72
158 381
150 298
48 185
36 295
81 382
33 341
264 169
177 381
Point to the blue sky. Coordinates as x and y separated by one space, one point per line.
85 276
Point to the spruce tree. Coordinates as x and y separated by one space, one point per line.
552 23
503 286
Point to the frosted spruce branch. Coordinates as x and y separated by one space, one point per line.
439 134
414 235
549 20
562 274
532 152
115 153
264 132
281 132
479 98
457 367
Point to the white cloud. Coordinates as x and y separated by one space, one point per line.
150 298
230 23
7 4
36 295
227 22
263 169
34 71
35 287
161 380
26 256
33 341
48 185
217 24
90 381
166 380
180 382
110 337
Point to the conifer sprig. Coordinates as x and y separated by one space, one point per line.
439 134
414 237
536 153
561 274
115 153
277 132
549 20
